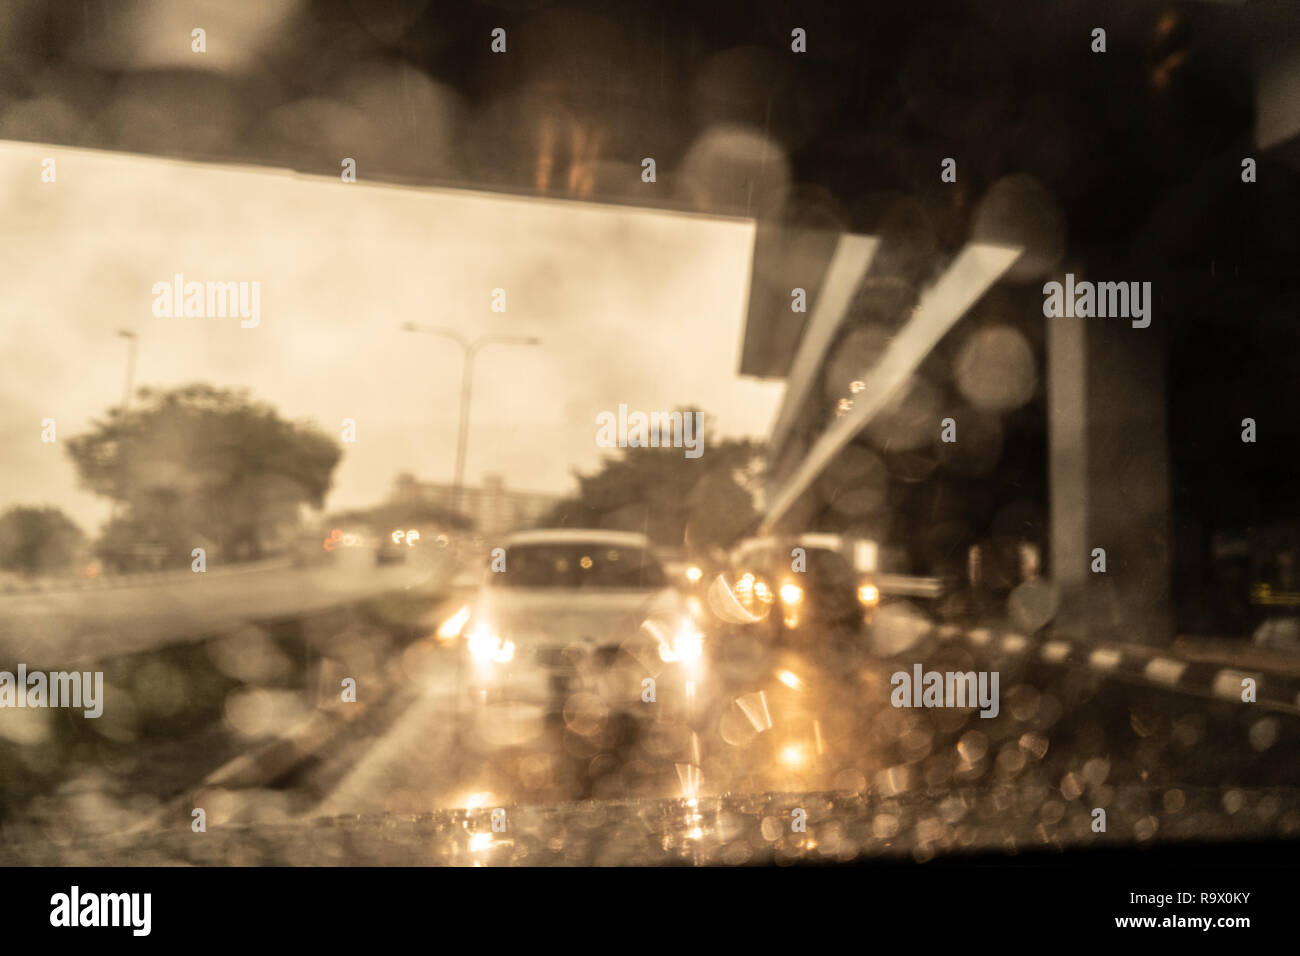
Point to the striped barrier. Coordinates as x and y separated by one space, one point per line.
1276 688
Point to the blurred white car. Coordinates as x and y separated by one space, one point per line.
567 627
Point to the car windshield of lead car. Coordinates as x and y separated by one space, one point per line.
577 566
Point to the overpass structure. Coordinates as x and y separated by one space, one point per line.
931 405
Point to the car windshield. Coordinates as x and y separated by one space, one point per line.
688 412
579 566
830 566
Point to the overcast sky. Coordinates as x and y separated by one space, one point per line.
634 306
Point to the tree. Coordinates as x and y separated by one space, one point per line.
38 540
201 466
703 502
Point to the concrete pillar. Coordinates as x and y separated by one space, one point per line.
1109 478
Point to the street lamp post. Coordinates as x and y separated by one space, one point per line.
469 352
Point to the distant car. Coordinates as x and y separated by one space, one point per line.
347 545
1278 634
395 547
566 631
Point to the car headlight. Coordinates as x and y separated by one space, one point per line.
450 629
791 593
869 595
486 647
693 574
687 645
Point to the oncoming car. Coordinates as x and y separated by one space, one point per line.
575 631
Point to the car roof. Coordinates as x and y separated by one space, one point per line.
622 539
818 540
826 542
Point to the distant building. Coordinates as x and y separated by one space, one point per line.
492 508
